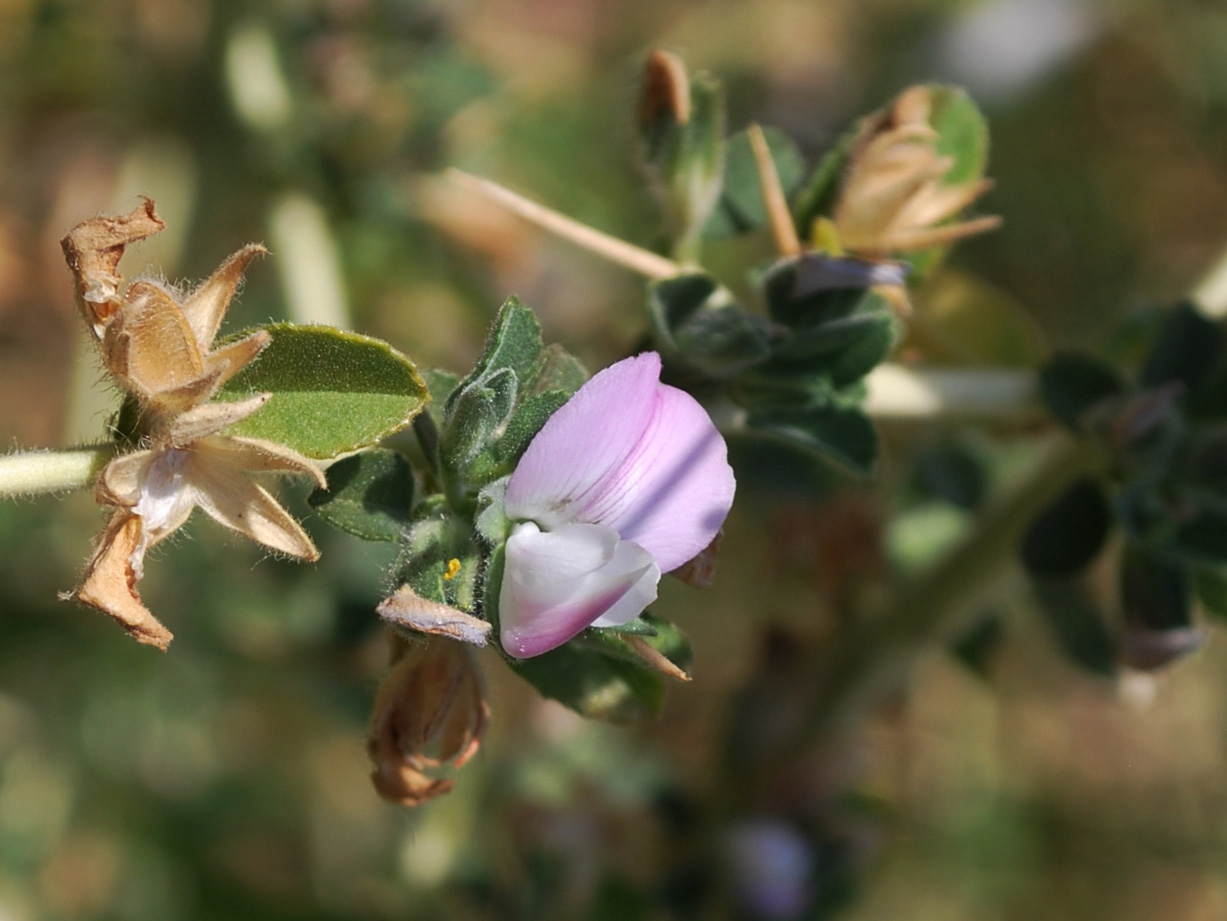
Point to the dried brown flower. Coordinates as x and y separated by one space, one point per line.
893 198
158 346
430 714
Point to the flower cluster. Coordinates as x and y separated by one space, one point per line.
158 346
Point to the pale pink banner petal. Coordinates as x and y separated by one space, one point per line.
674 491
585 443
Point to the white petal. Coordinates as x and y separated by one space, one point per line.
557 583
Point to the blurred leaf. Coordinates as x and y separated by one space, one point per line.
334 391
842 350
740 208
1189 349
798 294
1078 623
693 320
1156 594
818 196
558 371
369 495
1203 538
963 320
962 135
1069 534
976 647
1071 383
954 473
841 434
1210 583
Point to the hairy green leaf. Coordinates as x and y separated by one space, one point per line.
333 391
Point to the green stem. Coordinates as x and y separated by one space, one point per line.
35 472
942 602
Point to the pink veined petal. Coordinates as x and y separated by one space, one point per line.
557 583
584 443
673 492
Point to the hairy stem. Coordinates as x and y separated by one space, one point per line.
33 473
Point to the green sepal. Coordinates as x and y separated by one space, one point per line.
475 414
434 541
369 495
1071 384
333 391
695 322
1067 536
740 208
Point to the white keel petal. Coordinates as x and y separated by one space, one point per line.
557 583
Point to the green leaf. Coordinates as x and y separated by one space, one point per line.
695 323
1072 383
1069 534
514 343
558 371
740 208
841 434
333 391
1079 624
369 495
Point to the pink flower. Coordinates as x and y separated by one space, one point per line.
628 480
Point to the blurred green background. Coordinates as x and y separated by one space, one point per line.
228 778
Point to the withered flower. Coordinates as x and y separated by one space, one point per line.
157 344
893 198
430 714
